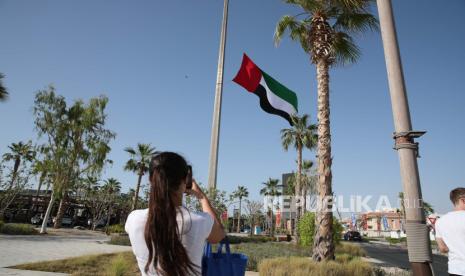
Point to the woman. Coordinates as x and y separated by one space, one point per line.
166 238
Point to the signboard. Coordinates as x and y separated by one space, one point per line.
354 222
224 216
278 218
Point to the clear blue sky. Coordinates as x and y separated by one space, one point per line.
157 60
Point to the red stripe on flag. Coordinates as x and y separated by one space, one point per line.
249 75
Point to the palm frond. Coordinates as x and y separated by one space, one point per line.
311 6
130 150
356 22
287 138
3 91
287 22
344 49
351 5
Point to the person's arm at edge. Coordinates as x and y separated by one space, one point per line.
217 233
442 245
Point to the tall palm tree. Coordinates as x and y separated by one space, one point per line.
301 135
112 188
240 193
324 33
19 152
139 163
3 91
271 189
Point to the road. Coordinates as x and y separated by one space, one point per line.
398 257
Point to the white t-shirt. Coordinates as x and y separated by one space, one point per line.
451 229
197 228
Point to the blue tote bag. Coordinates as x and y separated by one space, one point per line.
223 264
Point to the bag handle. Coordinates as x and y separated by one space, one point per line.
225 242
207 250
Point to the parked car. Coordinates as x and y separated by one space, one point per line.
37 219
352 236
65 221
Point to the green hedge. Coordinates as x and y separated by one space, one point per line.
120 240
17 229
116 228
254 239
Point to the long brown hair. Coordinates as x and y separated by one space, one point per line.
166 252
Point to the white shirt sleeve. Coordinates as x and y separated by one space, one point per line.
207 225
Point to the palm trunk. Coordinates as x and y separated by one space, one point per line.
136 195
43 229
297 191
61 211
239 219
323 246
15 172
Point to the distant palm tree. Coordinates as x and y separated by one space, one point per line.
271 189
301 135
19 152
3 91
240 193
325 34
139 163
112 188
428 209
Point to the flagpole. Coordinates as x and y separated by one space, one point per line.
215 135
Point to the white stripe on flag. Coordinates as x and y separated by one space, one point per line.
276 101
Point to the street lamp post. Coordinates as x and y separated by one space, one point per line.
418 243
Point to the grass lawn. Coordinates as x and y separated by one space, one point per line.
125 264
117 264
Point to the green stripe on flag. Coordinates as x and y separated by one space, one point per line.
280 90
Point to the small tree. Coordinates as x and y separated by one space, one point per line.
18 179
253 210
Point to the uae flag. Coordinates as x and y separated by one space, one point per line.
275 98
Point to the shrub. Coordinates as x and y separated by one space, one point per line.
1 223
116 228
396 241
118 266
296 266
350 249
120 240
256 252
254 239
17 229
306 229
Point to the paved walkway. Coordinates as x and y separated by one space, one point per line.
58 245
